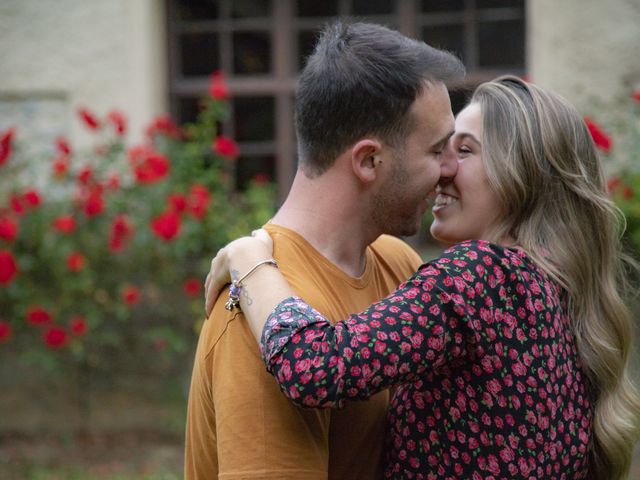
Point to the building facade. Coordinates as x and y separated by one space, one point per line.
148 57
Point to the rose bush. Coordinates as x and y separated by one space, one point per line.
106 263
623 149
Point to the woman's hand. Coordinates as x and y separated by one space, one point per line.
238 253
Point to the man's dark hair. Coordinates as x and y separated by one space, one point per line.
361 80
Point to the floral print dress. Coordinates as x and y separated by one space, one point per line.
480 350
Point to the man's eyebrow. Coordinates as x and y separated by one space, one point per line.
444 139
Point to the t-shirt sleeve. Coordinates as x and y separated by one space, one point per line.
424 324
239 425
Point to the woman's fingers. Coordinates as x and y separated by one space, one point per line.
216 279
262 235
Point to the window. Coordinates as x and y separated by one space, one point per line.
261 45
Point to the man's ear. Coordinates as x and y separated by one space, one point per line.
366 159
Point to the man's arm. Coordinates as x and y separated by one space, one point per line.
245 426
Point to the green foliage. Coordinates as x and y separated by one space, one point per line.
147 221
624 183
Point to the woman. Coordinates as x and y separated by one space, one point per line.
510 352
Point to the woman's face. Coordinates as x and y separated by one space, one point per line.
465 207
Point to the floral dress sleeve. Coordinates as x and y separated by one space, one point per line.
424 324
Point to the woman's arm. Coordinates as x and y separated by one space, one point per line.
418 329
421 326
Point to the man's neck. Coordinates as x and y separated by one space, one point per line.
328 216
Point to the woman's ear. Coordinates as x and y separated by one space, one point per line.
366 159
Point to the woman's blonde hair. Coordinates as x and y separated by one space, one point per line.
541 161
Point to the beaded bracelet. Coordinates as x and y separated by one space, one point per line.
236 285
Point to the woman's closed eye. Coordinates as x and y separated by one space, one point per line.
463 151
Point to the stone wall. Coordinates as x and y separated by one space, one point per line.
61 54
587 50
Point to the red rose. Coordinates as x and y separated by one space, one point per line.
94 203
113 182
64 224
60 166
148 165
6 140
192 287
121 225
118 120
62 146
163 125
166 225
217 86
89 119
17 204
613 183
198 201
261 178
5 331
8 267
121 230
226 147
116 244
55 337
85 175
636 95
600 138
78 325
177 202
8 228
32 197
75 262
37 315
627 192
131 295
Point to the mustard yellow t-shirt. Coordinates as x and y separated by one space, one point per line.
239 425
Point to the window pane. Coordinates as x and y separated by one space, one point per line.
459 98
372 7
197 9
199 53
188 108
254 118
499 3
306 42
315 8
260 168
442 5
250 8
449 37
501 44
251 52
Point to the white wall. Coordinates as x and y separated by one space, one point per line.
56 55
587 50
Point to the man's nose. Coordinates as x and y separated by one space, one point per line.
449 162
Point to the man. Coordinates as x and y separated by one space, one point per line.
372 118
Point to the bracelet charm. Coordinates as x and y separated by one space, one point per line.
236 285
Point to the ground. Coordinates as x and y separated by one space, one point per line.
122 456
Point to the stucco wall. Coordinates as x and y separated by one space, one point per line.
587 50
60 54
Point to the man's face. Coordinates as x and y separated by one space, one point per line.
400 203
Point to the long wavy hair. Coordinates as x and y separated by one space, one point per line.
542 162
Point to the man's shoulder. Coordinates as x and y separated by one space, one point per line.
219 324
